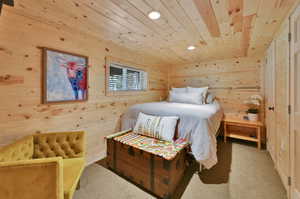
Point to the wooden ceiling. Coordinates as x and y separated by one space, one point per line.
218 28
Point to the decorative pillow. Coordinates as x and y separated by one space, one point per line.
179 90
189 98
162 128
210 98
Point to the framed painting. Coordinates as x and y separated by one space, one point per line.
65 77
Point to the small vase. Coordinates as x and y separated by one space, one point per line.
253 117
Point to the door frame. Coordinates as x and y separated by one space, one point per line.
294 193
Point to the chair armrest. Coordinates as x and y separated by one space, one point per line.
36 178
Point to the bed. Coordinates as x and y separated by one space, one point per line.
198 124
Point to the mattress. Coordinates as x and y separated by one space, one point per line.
198 124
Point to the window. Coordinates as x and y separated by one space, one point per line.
125 78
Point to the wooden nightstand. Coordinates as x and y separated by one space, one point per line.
238 121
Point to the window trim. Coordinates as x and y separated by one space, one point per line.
129 65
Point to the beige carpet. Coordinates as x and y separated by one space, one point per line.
243 172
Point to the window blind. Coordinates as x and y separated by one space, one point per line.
124 78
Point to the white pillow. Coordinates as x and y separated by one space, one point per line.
202 90
162 128
179 90
189 98
195 90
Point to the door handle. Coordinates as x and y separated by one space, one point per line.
271 108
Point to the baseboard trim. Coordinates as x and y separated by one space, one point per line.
283 177
96 158
296 194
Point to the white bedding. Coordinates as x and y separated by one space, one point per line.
197 123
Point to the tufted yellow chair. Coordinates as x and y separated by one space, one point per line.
42 166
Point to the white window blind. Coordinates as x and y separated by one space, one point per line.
124 78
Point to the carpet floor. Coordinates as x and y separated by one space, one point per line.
243 172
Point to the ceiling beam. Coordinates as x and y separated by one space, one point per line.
246 33
236 8
207 13
280 3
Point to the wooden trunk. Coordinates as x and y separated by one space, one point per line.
150 172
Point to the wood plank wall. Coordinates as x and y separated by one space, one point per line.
21 111
230 80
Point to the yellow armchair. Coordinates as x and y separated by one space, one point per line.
42 166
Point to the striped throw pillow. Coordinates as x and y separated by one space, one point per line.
162 128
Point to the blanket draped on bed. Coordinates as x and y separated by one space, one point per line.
197 123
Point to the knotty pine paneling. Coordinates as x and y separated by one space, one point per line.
232 81
220 29
21 111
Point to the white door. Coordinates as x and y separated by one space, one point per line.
270 101
295 103
282 103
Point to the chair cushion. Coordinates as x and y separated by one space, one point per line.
73 169
20 150
30 179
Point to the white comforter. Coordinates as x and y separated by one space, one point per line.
198 124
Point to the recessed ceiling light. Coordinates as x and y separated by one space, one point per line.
154 15
191 48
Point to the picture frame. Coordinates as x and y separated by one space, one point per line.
64 76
